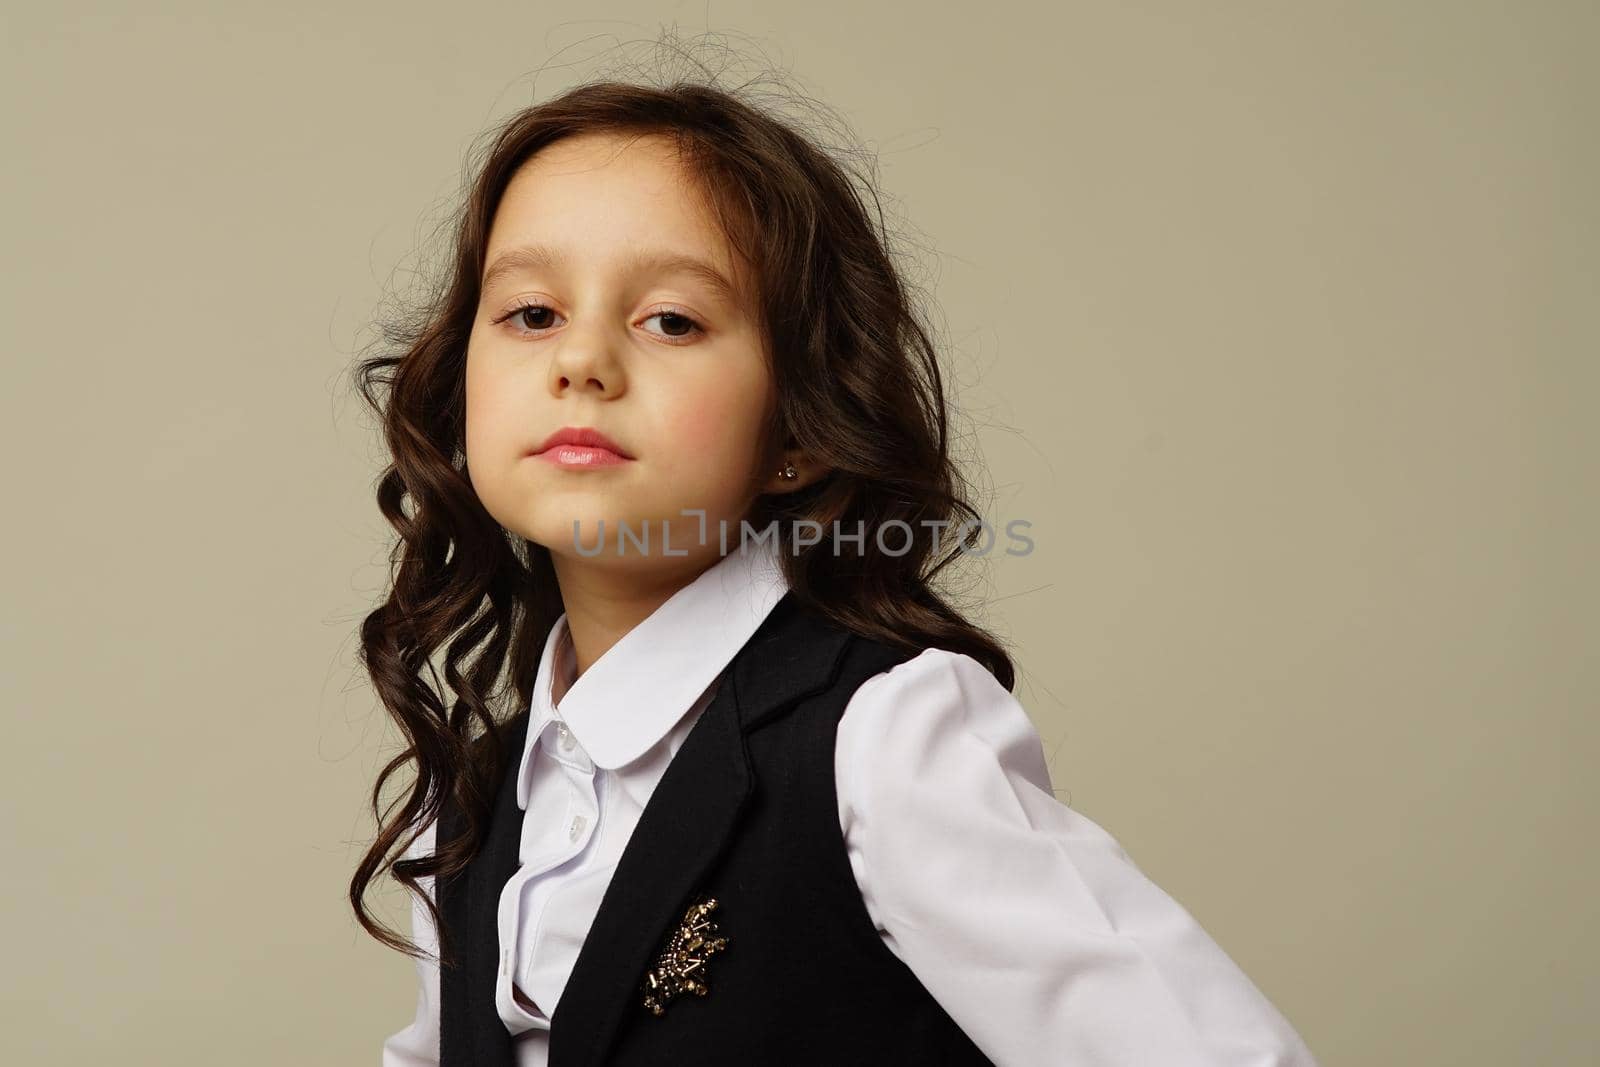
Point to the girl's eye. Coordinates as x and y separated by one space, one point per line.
679 321
532 320
526 314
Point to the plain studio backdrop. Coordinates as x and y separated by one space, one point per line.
1276 321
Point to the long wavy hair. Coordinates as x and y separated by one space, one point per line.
859 388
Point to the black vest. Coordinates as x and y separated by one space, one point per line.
745 814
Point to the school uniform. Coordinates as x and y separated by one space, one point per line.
852 851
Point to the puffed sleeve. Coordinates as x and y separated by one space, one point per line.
418 1044
1029 924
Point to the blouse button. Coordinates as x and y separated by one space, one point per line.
578 823
564 735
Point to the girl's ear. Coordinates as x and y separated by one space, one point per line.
795 470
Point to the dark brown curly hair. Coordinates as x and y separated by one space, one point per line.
859 389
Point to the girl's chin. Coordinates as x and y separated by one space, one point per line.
613 534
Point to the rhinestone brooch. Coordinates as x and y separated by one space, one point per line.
680 968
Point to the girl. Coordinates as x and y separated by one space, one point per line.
757 794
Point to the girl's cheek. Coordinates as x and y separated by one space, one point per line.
703 429
493 445
723 415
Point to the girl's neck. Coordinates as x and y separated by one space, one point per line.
606 597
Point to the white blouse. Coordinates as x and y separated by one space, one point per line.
1026 921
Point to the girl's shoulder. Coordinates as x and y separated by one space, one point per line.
939 708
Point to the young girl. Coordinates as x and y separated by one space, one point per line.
721 779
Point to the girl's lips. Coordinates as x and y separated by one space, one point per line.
579 457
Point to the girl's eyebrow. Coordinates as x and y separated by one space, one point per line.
543 257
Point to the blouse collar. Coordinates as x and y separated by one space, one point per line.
632 696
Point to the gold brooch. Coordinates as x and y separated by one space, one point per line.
678 969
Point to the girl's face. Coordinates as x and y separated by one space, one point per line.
601 309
